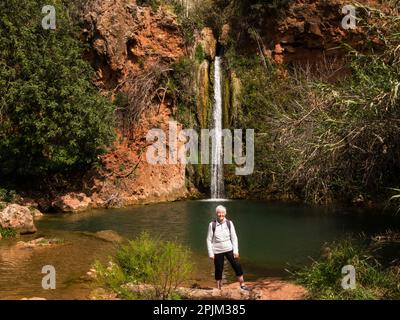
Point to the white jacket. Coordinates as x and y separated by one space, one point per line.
223 241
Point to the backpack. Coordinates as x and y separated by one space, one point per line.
214 225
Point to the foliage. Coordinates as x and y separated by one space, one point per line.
52 118
181 87
323 139
7 233
161 265
194 15
140 93
154 4
8 195
199 53
323 277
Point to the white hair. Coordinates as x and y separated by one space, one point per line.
220 208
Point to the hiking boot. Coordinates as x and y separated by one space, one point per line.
244 287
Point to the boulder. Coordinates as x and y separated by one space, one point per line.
36 213
109 235
72 202
18 218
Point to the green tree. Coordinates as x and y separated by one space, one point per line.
52 118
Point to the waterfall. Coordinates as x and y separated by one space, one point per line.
217 173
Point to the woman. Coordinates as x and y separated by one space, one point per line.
222 242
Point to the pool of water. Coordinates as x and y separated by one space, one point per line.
272 237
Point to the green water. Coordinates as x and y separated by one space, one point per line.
272 238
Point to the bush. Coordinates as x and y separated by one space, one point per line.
159 265
199 54
175 5
8 195
323 278
7 233
324 139
52 117
154 4
181 87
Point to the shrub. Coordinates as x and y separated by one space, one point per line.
160 265
8 195
199 54
323 278
181 87
325 140
7 233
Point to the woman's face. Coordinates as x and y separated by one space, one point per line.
221 215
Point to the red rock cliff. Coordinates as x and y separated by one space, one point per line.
127 43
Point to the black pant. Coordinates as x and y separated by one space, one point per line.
219 264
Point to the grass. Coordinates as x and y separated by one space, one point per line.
160 266
7 233
323 278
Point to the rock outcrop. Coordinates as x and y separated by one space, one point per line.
36 214
225 32
128 43
72 202
18 218
127 178
304 30
263 289
208 42
127 39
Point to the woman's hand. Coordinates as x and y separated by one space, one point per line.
212 258
236 255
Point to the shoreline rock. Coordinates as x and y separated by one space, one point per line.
262 289
72 202
106 235
39 243
18 218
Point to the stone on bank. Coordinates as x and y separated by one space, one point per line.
18 218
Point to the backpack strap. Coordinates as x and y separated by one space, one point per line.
214 225
228 222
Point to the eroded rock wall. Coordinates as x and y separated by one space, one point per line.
126 41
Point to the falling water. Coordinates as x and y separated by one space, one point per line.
217 173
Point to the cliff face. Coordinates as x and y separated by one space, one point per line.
130 48
303 30
127 39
